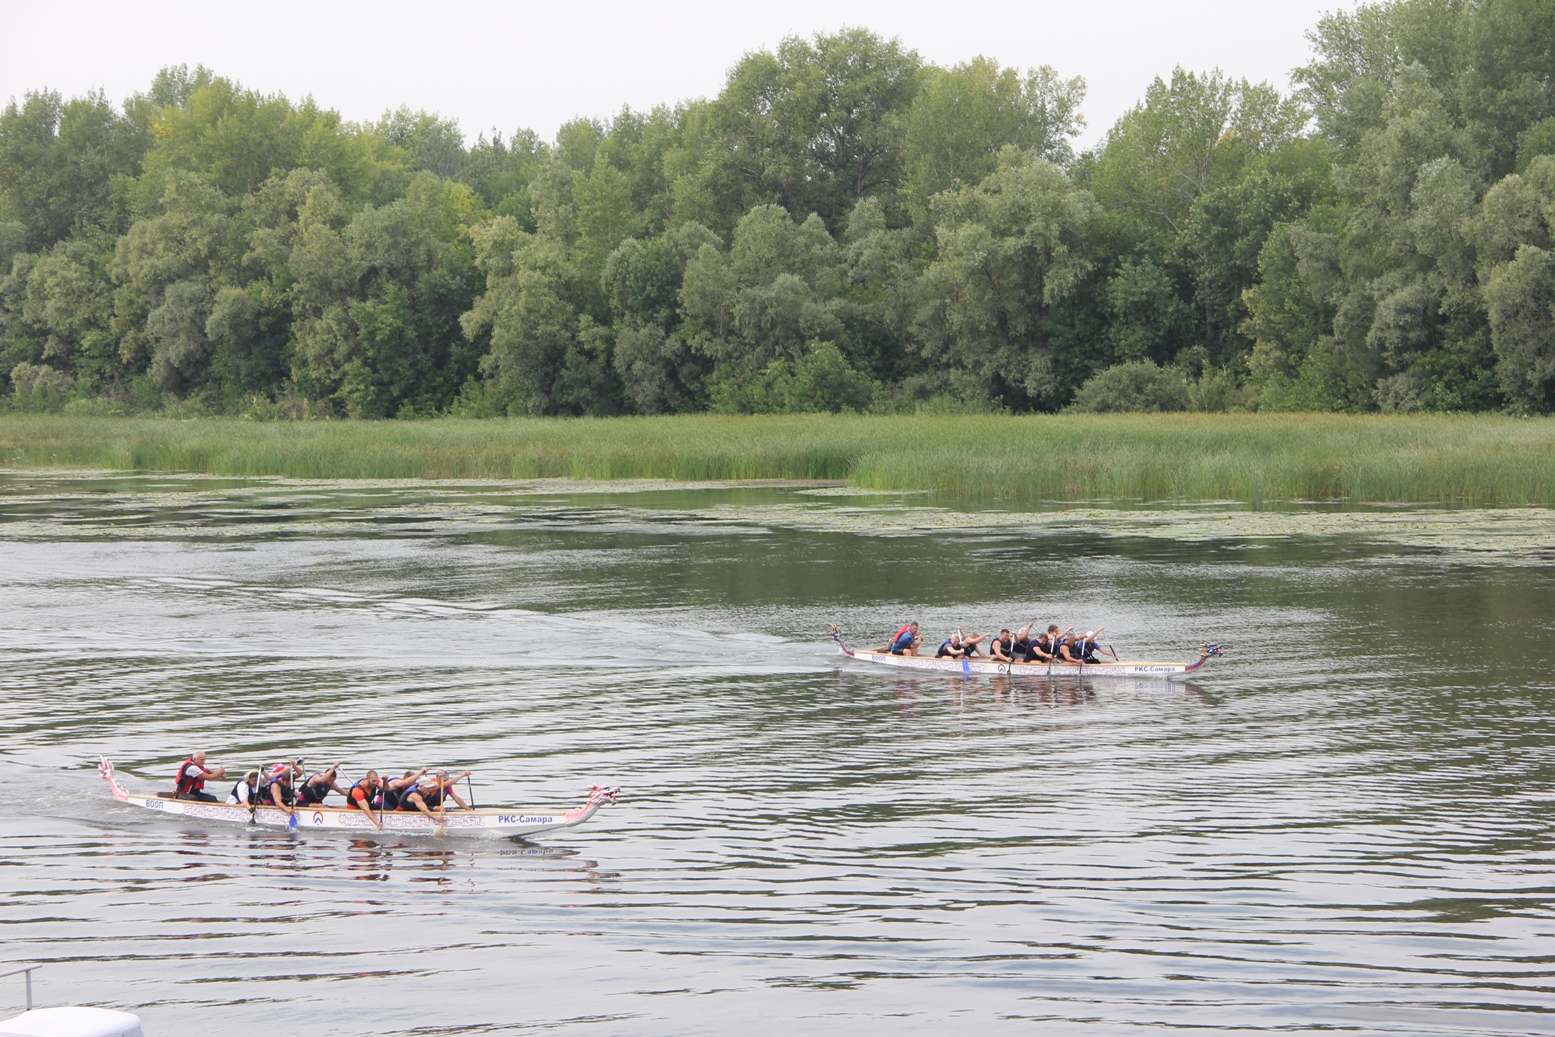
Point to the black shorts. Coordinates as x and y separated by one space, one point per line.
198 797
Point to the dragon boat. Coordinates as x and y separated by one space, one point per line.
503 820
967 667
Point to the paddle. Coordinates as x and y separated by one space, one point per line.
291 822
471 786
253 794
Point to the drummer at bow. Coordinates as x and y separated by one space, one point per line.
192 774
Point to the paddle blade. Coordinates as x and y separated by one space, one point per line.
291 823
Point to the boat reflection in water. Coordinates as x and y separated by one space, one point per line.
1039 692
372 860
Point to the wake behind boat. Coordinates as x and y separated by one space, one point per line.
969 666
504 820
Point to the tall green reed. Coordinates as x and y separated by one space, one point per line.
1254 458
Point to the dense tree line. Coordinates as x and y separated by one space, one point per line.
843 226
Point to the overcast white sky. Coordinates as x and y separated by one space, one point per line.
536 65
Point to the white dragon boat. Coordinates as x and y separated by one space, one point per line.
967 667
503 820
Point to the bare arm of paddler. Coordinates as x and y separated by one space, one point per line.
408 781
334 779
1104 651
448 787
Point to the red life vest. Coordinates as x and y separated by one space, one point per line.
185 783
905 627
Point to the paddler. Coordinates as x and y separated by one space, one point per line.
1085 648
1000 649
191 777
277 789
245 791
365 795
1044 647
395 789
958 646
434 795
1021 650
318 786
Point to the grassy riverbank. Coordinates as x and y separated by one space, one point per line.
1478 460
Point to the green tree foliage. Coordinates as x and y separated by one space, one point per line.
59 165
1009 249
842 226
1135 386
964 116
813 127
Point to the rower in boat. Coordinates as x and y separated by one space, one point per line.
318 786
959 646
245 791
395 789
1085 648
367 796
1045 645
279 790
427 797
191 777
1020 651
1001 648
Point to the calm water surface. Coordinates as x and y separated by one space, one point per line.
1344 825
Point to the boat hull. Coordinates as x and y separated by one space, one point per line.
507 821
968 667
988 666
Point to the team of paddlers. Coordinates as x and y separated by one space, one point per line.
1048 646
283 785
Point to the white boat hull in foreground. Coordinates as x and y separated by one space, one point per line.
967 667
506 820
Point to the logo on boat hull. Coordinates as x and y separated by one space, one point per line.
156 804
524 819
318 817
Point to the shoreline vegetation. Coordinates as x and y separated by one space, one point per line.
844 226
1437 459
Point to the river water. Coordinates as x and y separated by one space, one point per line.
1343 825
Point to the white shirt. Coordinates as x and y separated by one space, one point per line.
239 796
